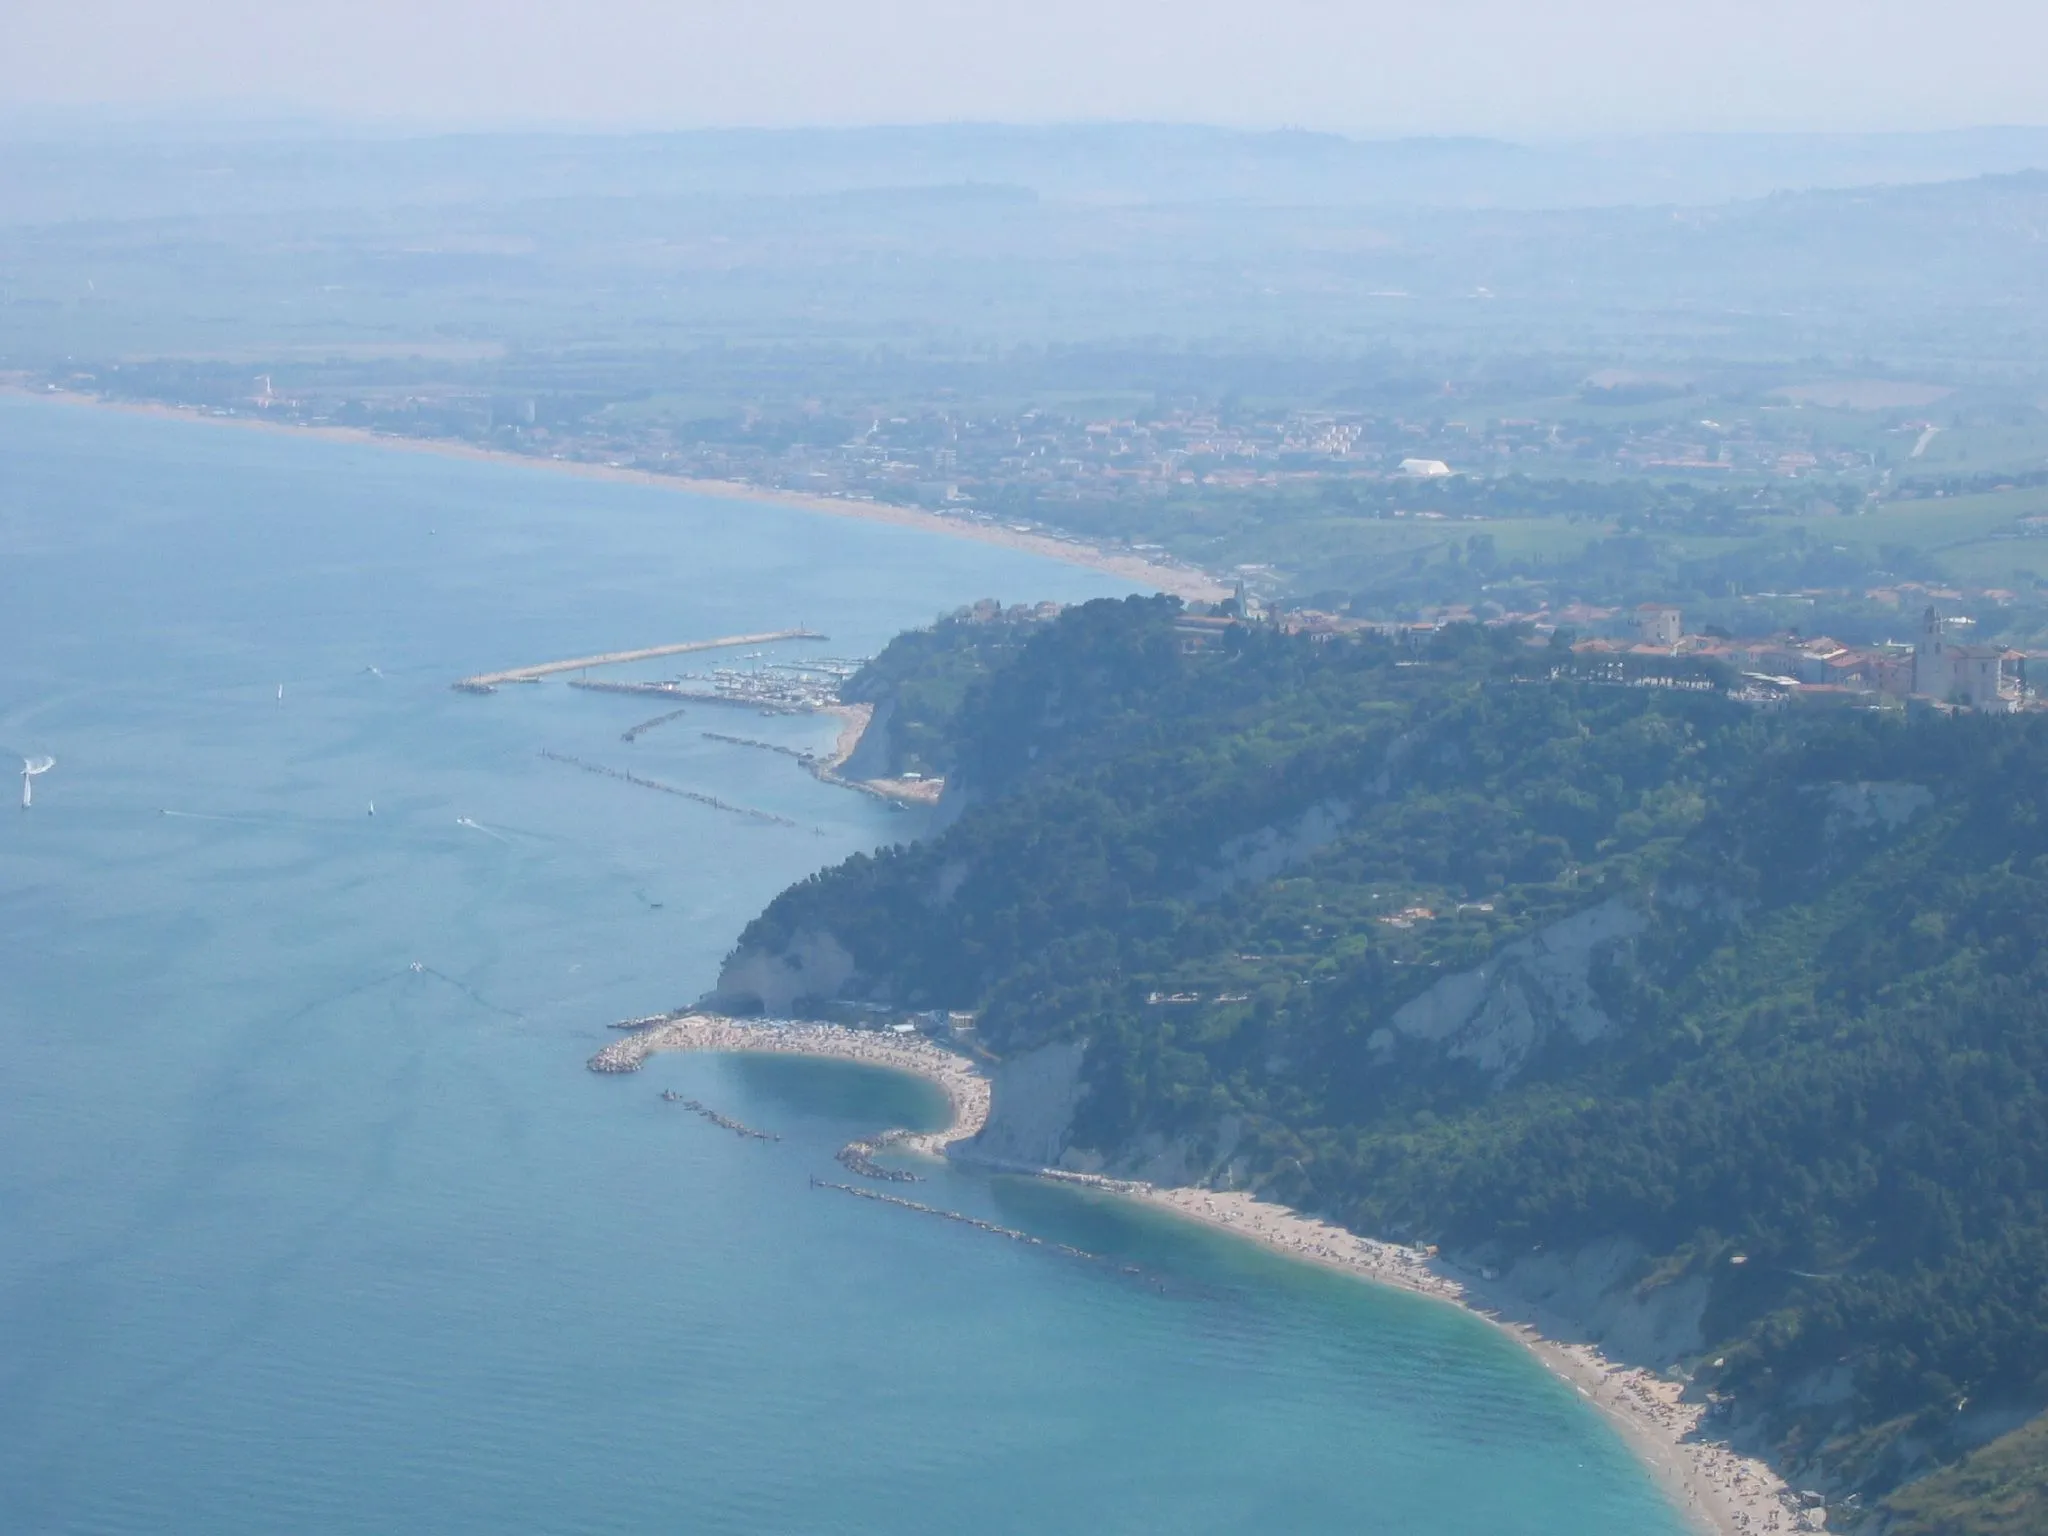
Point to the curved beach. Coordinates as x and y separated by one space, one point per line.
1721 1491
1164 576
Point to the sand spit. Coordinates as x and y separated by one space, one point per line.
966 1090
1180 580
1722 1492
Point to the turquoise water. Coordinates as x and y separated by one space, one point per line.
295 1237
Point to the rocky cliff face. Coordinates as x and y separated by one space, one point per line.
810 969
1031 1110
1605 1293
1270 851
1499 1014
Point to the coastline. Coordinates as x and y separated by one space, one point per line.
854 720
1181 581
1715 1487
967 1090
1718 1490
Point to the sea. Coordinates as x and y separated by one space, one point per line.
312 1220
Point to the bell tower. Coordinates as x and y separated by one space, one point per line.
1930 657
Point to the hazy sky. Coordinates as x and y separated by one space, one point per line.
1529 67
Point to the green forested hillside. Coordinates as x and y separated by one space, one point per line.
1804 1054
921 681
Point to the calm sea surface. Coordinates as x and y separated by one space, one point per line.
310 1218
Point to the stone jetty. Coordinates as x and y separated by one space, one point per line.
723 1122
634 733
961 1217
858 1157
668 789
966 1090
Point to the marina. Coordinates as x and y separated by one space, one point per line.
487 682
770 692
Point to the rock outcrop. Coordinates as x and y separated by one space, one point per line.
1599 1293
1498 1015
812 967
1033 1098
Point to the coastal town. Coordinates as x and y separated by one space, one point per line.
1939 668
964 456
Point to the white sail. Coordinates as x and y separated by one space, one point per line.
30 767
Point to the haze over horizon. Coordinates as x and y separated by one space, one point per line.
1486 67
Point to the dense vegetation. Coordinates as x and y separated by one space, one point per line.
1829 1047
2001 1490
920 683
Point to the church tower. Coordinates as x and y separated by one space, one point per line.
1931 670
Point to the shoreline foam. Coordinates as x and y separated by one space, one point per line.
1181 581
1716 1488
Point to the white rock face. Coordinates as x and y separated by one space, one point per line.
814 965
1862 807
1171 1161
1031 1110
1596 1290
1265 853
1498 1014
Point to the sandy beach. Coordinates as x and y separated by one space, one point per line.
1720 1491
1163 576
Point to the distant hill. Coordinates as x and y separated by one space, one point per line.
75 167
1726 1031
944 241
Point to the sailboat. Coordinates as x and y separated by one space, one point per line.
30 767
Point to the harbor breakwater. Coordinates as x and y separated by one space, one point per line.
966 1089
767 817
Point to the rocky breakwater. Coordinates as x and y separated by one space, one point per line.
966 1090
859 1157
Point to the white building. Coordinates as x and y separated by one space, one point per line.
1424 469
1974 676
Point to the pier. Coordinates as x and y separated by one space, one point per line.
487 682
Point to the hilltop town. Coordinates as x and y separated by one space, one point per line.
1940 668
